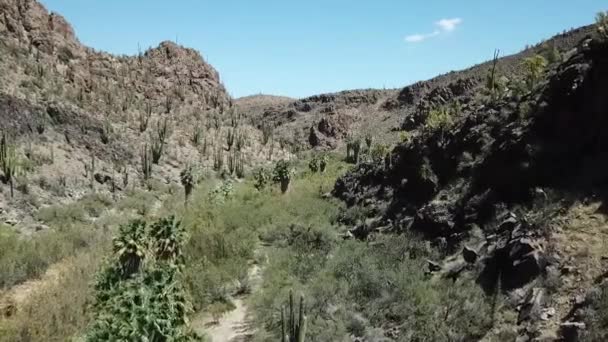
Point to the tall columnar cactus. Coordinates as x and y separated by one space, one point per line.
240 165
293 327
230 138
146 163
144 117
369 139
218 159
8 162
159 140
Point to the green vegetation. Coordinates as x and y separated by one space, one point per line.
293 326
439 119
353 149
282 174
8 161
188 180
535 67
159 139
138 294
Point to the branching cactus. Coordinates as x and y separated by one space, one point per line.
293 327
159 140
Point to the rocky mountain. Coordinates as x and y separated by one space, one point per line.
500 186
65 106
324 121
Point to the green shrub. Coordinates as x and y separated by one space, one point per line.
282 174
535 67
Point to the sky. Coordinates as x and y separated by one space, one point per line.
303 48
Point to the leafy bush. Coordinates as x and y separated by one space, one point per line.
282 174
143 299
262 178
535 67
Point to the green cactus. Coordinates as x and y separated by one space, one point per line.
218 159
8 161
144 117
293 327
230 138
369 139
240 166
159 140
146 163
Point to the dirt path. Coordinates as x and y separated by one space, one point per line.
234 326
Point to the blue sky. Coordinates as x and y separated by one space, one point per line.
302 48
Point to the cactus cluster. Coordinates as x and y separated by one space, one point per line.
353 149
293 325
318 163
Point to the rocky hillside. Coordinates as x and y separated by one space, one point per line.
510 186
325 120
67 108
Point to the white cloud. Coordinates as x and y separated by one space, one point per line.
417 38
445 25
448 25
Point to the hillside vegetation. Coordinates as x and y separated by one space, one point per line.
139 202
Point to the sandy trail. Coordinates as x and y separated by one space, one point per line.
234 326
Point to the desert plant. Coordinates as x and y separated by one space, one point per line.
535 67
218 158
282 174
439 119
146 163
601 20
188 179
261 177
379 152
197 135
267 132
167 236
495 86
241 139
230 138
293 327
240 165
139 292
159 140
130 247
369 138
106 131
313 165
353 149
144 117
8 161
235 118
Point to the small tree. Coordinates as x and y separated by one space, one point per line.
188 180
535 67
282 174
261 178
